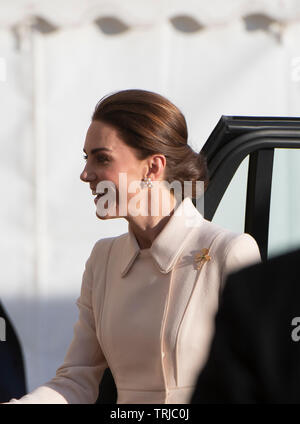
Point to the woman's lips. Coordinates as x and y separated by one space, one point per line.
97 198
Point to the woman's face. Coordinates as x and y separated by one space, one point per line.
106 157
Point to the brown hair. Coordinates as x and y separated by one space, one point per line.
151 124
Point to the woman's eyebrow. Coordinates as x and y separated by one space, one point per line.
93 151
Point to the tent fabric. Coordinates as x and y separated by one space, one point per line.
140 13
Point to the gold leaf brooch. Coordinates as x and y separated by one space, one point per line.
202 257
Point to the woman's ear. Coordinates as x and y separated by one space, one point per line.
156 167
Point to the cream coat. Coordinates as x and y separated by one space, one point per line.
148 315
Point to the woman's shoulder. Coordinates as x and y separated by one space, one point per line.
225 242
104 245
214 233
232 250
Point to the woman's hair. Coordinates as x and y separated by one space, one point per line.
151 124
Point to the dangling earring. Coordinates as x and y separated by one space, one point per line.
147 182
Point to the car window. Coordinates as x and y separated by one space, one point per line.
284 225
230 213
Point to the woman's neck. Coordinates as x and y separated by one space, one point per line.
147 228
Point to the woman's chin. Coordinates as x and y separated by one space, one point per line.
106 211
107 216
104 217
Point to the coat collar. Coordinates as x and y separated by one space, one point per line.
170 242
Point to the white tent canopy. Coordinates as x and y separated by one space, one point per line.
139 13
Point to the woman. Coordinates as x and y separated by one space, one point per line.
148 297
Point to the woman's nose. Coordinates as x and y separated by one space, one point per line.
87 176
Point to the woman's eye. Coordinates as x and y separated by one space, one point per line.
102 158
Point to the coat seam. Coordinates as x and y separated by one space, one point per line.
103 302
229 246
163 330
184 314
